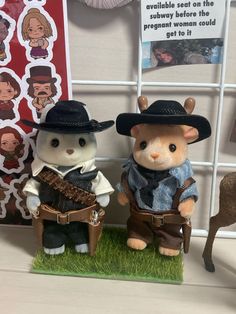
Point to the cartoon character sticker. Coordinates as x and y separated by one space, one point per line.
37 32
37 2
43 87
20 197
4 197
12 193
10 92
7 27
13 149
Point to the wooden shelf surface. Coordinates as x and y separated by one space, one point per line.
201 292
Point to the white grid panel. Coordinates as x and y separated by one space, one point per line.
221 86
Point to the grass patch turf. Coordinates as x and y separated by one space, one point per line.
113 260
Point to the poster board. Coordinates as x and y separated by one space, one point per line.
182 32
34 73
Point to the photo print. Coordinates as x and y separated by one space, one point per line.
182 52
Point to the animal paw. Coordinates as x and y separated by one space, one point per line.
168 252
103 199
32 203
82 248
55 251
186 208
122 198
136 244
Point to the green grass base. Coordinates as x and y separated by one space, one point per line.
113 260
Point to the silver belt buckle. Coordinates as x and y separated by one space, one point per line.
60 217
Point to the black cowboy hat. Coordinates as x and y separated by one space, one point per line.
42 74
69 117
163 112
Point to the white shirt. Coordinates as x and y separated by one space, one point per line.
100 185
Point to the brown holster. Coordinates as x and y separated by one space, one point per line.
93 215
159 219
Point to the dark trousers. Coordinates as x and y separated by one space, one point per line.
55 235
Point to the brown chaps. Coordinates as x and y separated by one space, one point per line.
169 235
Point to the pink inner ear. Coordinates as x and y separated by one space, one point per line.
135 131
191 135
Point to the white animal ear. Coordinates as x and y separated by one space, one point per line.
135 131
191 134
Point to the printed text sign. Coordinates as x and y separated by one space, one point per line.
182 19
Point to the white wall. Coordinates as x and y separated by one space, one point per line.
104 46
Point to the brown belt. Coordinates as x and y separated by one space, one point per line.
88 214
159 220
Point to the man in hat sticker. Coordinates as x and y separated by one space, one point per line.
41 88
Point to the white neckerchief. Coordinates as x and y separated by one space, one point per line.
38 165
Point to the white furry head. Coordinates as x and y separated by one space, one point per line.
65 149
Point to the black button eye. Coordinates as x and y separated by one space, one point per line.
143 145
172 148
82 142
55 142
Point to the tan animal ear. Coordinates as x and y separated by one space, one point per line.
189 105
142 103
135 131
190 134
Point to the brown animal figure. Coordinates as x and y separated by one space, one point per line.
225 217
158 172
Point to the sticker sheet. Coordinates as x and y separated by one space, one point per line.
34 73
